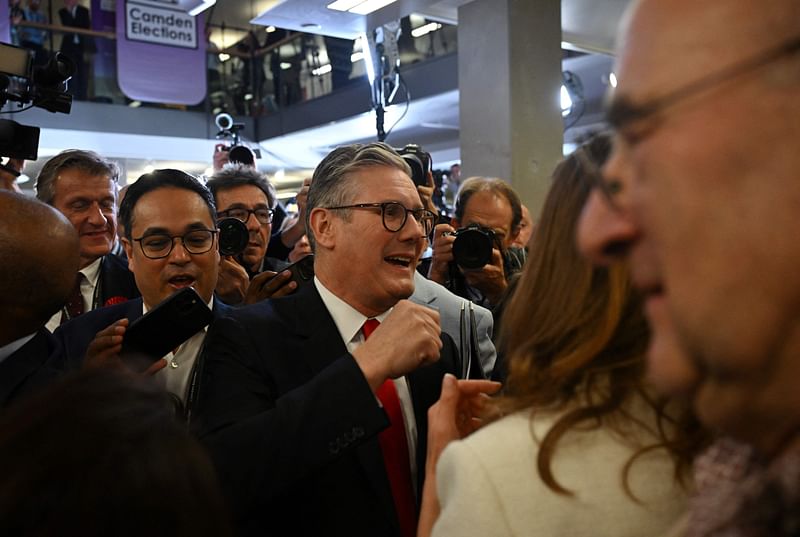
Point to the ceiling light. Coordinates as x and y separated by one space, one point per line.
202 7
135 104
344 5
359 7
369 6
286 65
566 102
321 70
612 79
425 29
224 57
271 29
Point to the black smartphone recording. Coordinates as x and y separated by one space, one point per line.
164 328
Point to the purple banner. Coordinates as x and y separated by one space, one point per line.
5 23
161 52
104 19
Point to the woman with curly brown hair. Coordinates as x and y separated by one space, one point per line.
584 447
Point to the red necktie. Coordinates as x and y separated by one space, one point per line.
74 305
395 451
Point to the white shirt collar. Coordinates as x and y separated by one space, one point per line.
348 320
92 271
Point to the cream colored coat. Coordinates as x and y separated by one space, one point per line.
488 484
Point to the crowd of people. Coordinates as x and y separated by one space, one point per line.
626 370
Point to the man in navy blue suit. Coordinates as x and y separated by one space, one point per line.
38 260
317 419
171 243
83 187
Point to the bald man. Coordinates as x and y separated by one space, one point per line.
38 261
701 196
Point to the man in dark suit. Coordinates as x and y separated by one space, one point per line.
75 45
83 187
315 429
170 238
38 259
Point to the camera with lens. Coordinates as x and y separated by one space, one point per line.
472 248
233 236
44 87
237 151
420 162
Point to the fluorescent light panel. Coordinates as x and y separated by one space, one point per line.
425 29
359 7
344 5
202 7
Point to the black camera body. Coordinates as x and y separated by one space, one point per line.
233 236
472 248
237 152
44 87
420 162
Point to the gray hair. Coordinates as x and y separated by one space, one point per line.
494 185
86 161
233 175
331 185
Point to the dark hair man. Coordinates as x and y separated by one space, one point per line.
83 187
38 260
243 193
289 400
492 204
171 243
701 196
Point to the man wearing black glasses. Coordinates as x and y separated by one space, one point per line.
314 405
701 196
171 242
243 193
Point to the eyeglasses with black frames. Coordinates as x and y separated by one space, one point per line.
623 115
394 215
160 245
263 215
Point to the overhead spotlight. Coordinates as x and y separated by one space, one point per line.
566 102
612 79
271 29
223 57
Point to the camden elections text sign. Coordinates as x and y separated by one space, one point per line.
161 53
155 24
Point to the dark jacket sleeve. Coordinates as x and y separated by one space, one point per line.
268 419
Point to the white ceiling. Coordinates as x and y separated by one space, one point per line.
586 24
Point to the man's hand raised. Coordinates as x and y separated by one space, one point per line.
408 338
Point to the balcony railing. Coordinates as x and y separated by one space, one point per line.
258 75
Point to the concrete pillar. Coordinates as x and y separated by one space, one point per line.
509 78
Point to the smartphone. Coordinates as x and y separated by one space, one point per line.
164 328
302 271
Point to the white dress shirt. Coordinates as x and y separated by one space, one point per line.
175 376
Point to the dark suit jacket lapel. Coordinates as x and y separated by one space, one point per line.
116 283
324 345
19 368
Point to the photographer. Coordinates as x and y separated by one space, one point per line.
243 193
473 256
